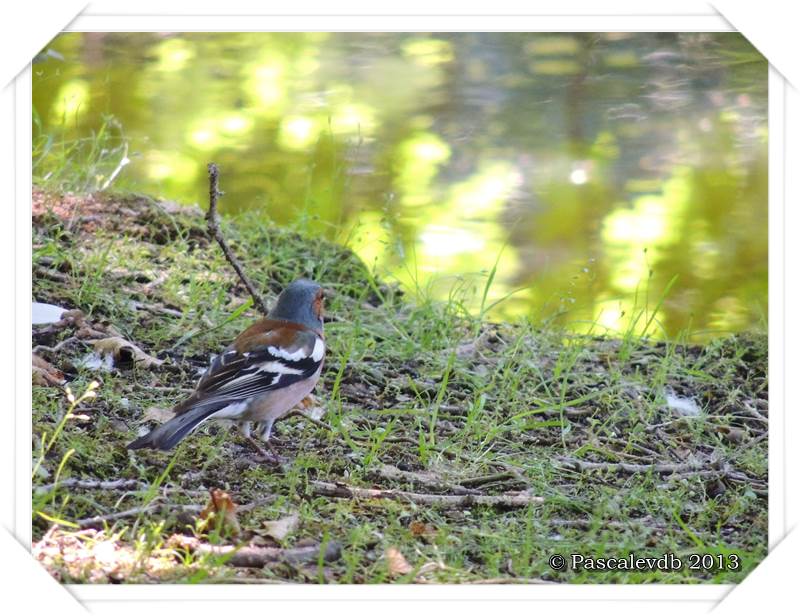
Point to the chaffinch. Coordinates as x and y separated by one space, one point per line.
267 370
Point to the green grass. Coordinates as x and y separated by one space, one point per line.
409 382
86 164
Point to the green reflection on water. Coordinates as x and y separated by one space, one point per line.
600 165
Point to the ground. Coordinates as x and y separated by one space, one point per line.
440 447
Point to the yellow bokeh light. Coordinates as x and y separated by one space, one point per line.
236 124
173 167
298 132
444 241
428 52
643 224
209 133
173 54
204 134
486 191
353 118
307 64
432 150
371 238
71 102
265 83
553 45
419 160
617 316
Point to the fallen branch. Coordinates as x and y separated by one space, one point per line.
99 520
758 486
584 465
55 349
92 484
474 482
213 228
429 480
50 274
155 308
601 524
753 412
256 556
447 501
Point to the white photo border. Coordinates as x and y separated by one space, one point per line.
100 596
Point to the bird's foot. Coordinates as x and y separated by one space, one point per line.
270 456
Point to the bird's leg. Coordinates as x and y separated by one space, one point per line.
245 427
264 430
272 457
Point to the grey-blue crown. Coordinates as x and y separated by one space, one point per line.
296 303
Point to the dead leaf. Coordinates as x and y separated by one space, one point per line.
221 506
45 374
396 562
419 528
311 407
123 351
280 529
733 435
73 317
85 332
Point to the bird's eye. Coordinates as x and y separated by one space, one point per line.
318 304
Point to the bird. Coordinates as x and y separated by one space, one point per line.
268 369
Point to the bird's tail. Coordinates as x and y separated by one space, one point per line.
169 434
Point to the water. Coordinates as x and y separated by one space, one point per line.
598 171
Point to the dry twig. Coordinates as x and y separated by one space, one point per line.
93 484
585 465
256 556
448 501
427 479
99 520
213 228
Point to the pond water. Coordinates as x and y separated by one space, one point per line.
602 173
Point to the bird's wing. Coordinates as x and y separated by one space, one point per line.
258 363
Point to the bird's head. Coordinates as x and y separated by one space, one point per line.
300 302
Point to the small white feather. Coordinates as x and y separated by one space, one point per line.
682 406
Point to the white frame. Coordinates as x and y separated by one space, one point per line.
647 19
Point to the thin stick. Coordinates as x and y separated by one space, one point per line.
256 556
93 484
99 520
474 482
584 465
213 228
117 484
449 501
677 471
428 480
